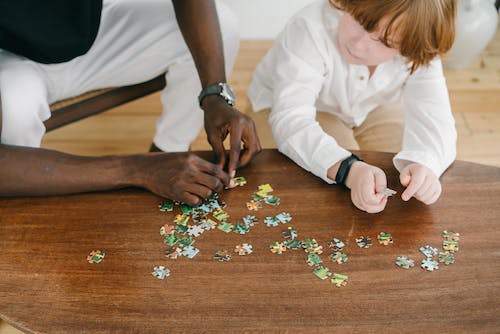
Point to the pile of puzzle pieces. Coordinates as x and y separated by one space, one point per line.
192 222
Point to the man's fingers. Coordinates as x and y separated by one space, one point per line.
214 170
190 199
252 144
199 191
219 150
211 182
234 154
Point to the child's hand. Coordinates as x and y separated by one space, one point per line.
421 183
366 183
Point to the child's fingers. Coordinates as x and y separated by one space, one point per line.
434 197
425 190
405 176
415 183
375 208
370 197
380 180
432 194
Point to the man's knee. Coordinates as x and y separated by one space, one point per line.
24 105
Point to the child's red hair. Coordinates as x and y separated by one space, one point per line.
424 28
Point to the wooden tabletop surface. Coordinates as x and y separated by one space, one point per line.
47 285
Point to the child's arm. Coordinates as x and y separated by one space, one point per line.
298 76
298 79
429 143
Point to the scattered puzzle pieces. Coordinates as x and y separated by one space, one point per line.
253 205
250 220
284 217
404 262
238 181
201 217
167 206
220 215
313 259
293 244
186 241
428 251
222 255
241 228
339 257
95 256
271 221
336 245
339 279
277 247
170 239
446 257
195 231
190 252
451 246
452 236
289 233
173 253
364 242
161 272
385 238
181 219
167 229
243 249
225 227
322 273
272 200
429 264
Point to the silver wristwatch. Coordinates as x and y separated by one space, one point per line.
222 89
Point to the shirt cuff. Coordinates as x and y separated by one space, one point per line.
404 158
326 157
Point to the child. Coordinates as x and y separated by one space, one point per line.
347 64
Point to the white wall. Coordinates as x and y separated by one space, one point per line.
264 19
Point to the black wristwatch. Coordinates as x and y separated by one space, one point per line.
222 89
344 168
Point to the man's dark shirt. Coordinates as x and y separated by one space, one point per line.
49 31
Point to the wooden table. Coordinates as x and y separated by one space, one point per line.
46 284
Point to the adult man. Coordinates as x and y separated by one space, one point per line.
57 49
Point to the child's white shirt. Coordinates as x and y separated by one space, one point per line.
304 72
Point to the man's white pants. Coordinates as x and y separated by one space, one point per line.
137 41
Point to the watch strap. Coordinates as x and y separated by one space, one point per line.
221 89
344 168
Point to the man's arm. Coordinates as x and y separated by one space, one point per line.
35 172
200 27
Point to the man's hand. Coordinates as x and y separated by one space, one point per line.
421 183
184 177
221 120
366 183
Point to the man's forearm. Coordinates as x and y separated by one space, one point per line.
199 25
36 172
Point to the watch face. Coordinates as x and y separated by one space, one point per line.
228 94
